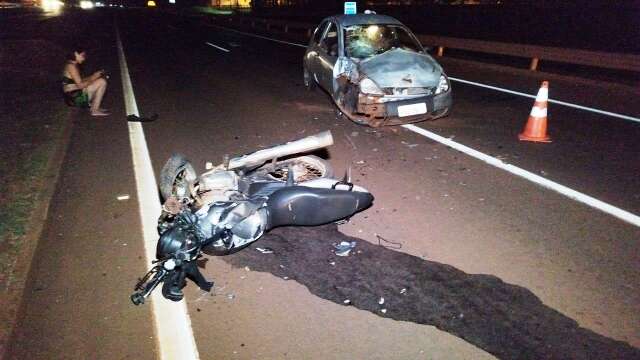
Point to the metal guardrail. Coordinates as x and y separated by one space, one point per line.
536 53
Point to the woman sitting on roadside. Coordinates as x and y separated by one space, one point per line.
83 92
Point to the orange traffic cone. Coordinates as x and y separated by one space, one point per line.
536 128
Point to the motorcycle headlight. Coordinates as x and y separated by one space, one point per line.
443 85
367 86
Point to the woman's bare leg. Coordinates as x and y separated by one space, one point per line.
96 91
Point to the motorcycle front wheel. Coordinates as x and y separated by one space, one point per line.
304 168
176 177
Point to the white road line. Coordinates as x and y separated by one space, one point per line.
217 47
172 323
259 36
575 106
572 194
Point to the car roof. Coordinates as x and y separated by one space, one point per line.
356 19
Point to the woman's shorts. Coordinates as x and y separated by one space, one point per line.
77 98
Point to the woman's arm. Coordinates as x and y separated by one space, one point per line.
80 82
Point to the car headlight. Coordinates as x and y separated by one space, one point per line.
367 86
443 85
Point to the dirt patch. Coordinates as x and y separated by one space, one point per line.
505 320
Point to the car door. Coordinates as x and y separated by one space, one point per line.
327 56
311 56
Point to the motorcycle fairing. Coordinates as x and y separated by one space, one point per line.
305 206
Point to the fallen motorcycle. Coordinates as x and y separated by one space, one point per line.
233 204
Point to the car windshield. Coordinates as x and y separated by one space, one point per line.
363 41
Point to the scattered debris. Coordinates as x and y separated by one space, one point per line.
354 134
360 162
393 244
384 311
332 263
134 118
347 302
231 296
381 301
403 291
123 197
265 250
247 268
351 142
344 248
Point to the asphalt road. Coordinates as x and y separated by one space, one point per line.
443 206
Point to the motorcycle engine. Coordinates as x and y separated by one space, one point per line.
217 186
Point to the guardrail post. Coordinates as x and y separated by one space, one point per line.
534 64
440 50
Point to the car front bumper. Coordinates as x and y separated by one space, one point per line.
375 111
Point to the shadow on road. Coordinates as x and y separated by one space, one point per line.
505 320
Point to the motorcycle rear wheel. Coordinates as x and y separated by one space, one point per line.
176 177
305 168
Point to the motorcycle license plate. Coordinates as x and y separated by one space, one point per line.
413 109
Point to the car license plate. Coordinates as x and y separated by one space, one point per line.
413 109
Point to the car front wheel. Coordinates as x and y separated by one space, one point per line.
309 82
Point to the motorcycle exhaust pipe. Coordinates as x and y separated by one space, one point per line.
259 157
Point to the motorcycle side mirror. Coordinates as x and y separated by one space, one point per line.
290 176
225 161
347 176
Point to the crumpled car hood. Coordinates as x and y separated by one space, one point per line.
401 68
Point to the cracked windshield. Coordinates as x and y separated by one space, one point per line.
363 41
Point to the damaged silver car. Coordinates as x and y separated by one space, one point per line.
376 71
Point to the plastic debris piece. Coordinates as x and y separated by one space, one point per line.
231 296
384 311
360 162
332 263
247 268
403 291
381 301
347 302
285 278
265 250
123 197
388 243
344 248
354 134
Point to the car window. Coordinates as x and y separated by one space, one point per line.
363 41
330 41
318 33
